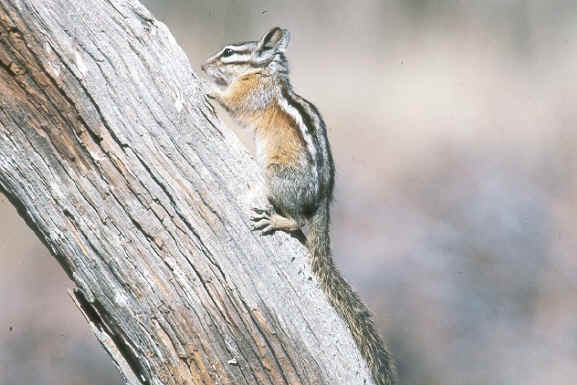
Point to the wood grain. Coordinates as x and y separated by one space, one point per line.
112 154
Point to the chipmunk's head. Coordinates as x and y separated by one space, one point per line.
265 56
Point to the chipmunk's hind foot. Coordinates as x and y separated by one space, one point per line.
267 222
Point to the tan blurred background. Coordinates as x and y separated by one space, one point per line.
453 125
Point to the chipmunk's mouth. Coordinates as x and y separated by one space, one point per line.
215 75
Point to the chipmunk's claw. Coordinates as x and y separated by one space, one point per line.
262 221
260 211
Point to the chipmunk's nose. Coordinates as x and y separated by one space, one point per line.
203 67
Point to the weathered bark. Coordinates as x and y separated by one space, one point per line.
112 155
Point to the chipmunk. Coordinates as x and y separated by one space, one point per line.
251 81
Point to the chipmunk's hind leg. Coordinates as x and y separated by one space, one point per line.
268 221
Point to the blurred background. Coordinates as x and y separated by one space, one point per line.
453 126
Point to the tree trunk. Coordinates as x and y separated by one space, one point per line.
111 153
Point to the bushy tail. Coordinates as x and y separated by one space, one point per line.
347 302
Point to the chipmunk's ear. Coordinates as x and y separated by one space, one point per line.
275 40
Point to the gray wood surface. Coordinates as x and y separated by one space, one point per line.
113 156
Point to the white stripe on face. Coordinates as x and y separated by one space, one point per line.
249 46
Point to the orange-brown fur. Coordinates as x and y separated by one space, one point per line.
271 123
242 87
279 131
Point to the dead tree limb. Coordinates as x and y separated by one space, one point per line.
110 152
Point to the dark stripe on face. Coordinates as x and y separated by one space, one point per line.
241 43
238 62
241 52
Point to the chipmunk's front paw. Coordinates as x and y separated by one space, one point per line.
262 221
211 94
211 91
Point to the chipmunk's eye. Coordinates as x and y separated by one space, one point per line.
227 52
